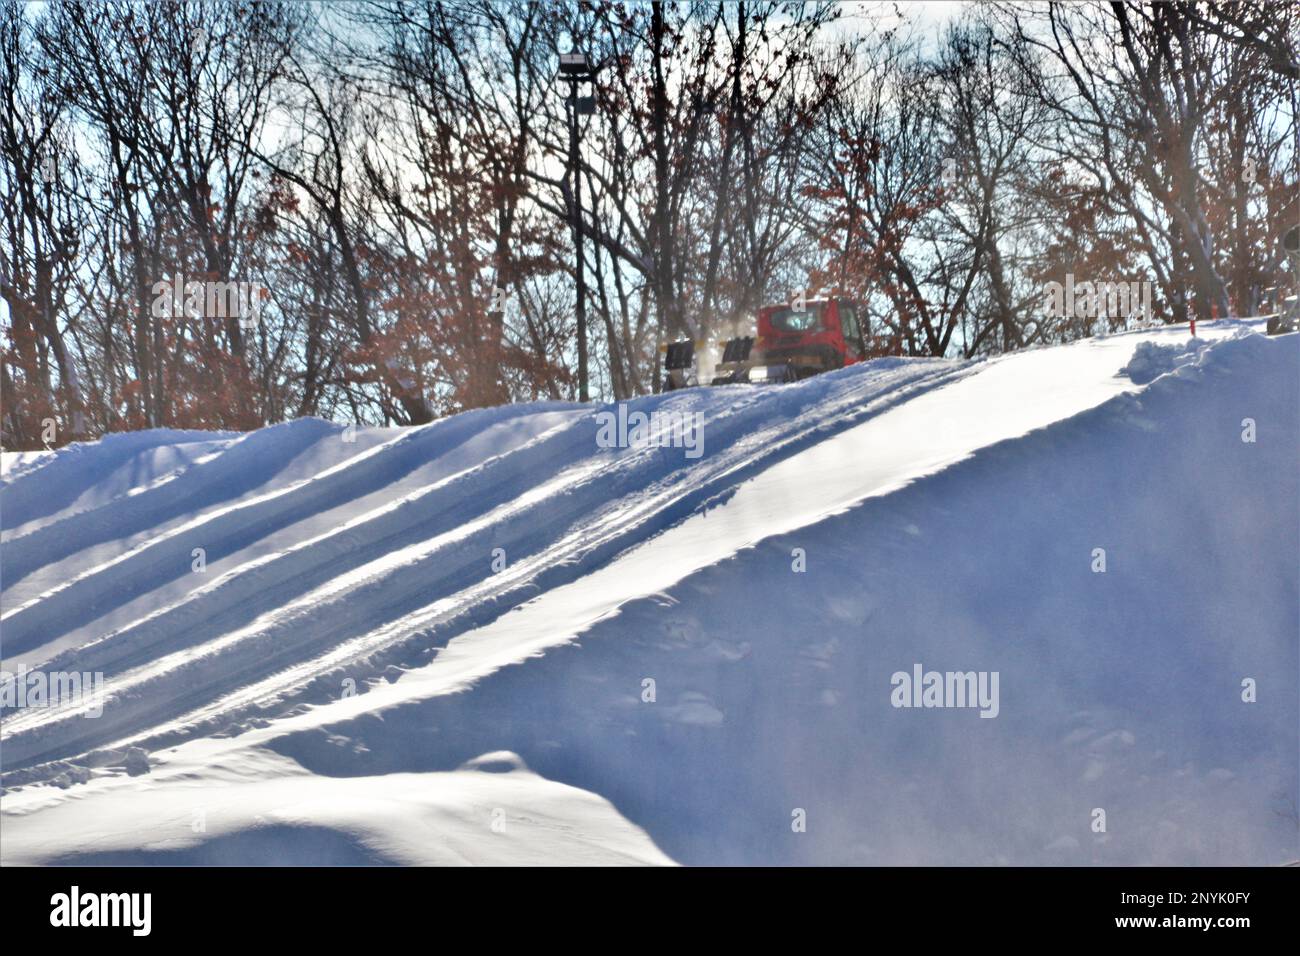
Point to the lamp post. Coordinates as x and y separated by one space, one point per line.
575 69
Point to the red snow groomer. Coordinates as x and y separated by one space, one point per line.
794 341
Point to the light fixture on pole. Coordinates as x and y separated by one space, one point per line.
575 69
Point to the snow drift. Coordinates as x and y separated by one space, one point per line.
491 639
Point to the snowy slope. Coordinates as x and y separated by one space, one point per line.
947 514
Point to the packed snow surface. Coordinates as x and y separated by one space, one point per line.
493 639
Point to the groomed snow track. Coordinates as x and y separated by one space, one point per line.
419 566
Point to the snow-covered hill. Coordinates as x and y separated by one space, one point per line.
493 640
